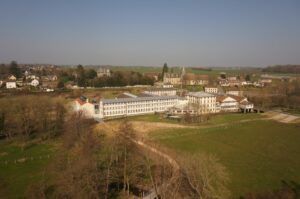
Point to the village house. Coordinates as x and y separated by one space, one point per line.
89 109
12 78
233 103
227 103
11 84
101 72
211 89
234 92
31 77
246 106
34 83
49 78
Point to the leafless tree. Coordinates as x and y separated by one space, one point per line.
206 176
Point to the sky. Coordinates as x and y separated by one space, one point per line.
151 32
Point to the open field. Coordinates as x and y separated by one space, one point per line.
16 173
257 154
215 119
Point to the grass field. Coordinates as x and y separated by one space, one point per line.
258 154
15 177
215 119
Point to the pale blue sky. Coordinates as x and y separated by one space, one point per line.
151 32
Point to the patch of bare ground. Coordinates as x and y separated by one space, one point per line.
283 117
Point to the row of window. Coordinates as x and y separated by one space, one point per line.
122 112
138 106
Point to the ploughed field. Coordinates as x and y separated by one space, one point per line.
258 154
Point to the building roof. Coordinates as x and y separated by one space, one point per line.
80 101
237 98
221 98
200 94
138 99
126 95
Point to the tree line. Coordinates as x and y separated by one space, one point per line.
283 94
84 77
31 116
283 69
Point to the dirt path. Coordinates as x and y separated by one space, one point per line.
283 117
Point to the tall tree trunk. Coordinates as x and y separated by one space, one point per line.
124 169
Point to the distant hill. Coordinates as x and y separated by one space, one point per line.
283 69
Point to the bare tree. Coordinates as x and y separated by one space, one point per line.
206 176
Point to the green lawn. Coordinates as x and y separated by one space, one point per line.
258 154
215 119
233 117
152 118
15 177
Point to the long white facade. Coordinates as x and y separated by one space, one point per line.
109 108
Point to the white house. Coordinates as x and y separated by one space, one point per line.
12 78
246 106
32 77
34 83
233 103
11 84
236 93
90 110
227 104
101 72
211 89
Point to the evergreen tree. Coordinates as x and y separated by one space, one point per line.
81 80
247 78
14 69
165 70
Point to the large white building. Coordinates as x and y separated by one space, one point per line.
204 102
109 108
130 105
